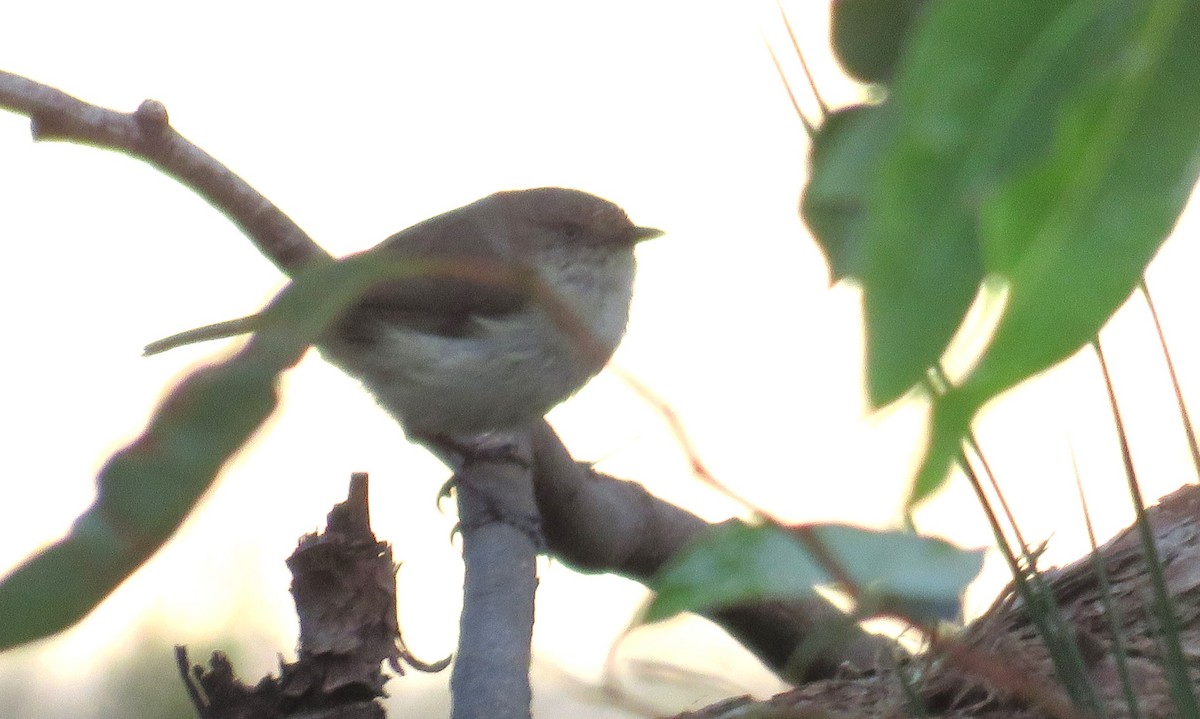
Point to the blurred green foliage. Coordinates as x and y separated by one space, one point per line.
1049 145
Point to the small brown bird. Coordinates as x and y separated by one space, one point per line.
458 355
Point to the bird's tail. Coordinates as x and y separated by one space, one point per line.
220 330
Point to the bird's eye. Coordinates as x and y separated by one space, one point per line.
571 231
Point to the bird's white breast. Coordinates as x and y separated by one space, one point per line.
508 370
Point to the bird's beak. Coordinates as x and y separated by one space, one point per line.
646 233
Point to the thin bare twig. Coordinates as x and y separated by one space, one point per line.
812 83
146 134
1175 665
1111 612
1183 411
809 128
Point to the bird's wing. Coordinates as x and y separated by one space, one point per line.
468 283
430 302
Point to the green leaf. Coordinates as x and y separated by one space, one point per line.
893 572
961 102
144 493
147 489
950 421
1072 235
1072 231
868 35
842 160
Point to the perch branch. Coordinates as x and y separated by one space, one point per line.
147 135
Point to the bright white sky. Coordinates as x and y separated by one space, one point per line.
361 119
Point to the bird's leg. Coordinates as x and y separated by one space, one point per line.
480 460
483 447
